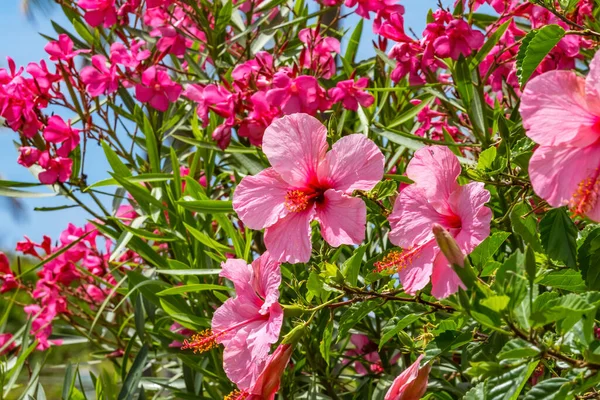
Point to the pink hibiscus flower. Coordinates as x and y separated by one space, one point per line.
305 183
435 198
411 384
561 112
248 324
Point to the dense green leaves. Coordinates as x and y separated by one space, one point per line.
559 236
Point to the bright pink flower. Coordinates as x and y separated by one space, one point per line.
391 27
458 38
248 324
367 6
411 384
296 95
259 118
561 112
99 12
157 3
351 94
98 78
57 169
7 277
4 346
62 49
171 41
28 156
366 352
157 89
435 197
129 57
269 380
305 183
211 97
57 131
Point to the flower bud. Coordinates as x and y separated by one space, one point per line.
448 246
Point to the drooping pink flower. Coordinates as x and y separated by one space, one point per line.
305 182
157 89
211 97
4 346
57 169
435 197
99 78
258 119
62 49
58 131
391 26
411 384
351 94
561 113
99 12
28 156
248 324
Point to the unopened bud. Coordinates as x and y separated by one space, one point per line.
448 246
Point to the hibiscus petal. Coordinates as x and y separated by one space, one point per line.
556 172
435 169
353 163
238 272
412 218
259 200
554 110
239 364
468 202
295 145
288 240
444 281
416 275
592 81
343 218
266 280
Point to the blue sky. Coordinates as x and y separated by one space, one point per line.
19 39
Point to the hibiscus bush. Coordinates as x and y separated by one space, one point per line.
285 217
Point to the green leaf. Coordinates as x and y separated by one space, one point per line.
354 314
9 192
559 236
525 226
198 287
518 348
486 249
534 48
486 159
206 240
130 385
550 389
223 17
325 345
508 385
496 303
351 267
589 254
552 310
207 206
392 328
353 42
564 279
489 44
115 162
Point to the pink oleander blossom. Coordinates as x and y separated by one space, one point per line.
99 12
58 131
99 78
560 112
352 93
435 197
248 324
318 53
297 95
28 156
411 384
7 277
305 183
5 347
157 89
367 6
458 39
57 169
62 49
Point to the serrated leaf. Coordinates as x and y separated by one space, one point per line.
486 249
525 226
508 385
351 267
534 48
392 328
518 348
496 303
559 236
564 279
589 254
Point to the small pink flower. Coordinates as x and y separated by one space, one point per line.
99 12
28 156
62 49
296 95
411 384
391 27
318 53
561 112
157 89
458 38
57 169
4 339
435 198
211 97
351 94
7 277
367 6
305 183
248 324
98 78
57 131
